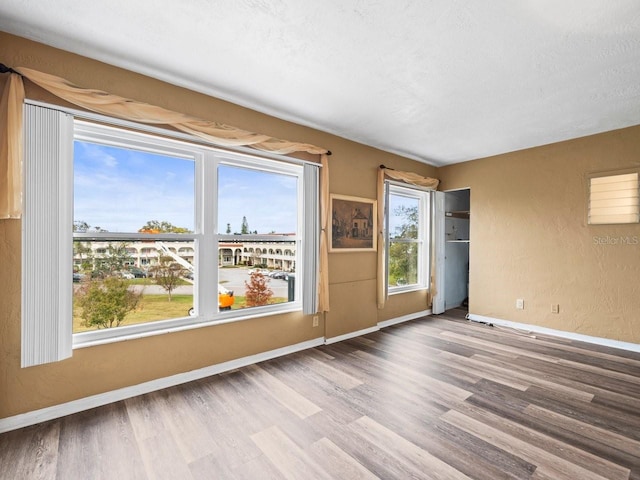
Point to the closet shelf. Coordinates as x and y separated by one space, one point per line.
458 214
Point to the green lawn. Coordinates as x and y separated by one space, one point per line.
158 307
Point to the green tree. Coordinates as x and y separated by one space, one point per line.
157 226
116 258
81 226
244 228
105 304
167 274
83 251
403 256
257 291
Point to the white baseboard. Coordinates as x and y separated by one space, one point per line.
75 406
404 318
607 342
347 336
383 324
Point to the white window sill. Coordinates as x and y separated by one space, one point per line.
406 289
119 334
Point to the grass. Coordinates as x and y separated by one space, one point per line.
153 308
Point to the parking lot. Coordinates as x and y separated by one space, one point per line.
231 278
234 278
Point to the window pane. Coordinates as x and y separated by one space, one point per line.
403 263
403 216
121 189
126 283
257 272
255 201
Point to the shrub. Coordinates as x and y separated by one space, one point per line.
257 290
106 303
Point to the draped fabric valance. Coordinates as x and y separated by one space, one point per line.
411 179
11 106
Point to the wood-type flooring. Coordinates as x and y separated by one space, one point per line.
438 397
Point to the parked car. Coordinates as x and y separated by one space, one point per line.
78 277
138 273
280 275
263 271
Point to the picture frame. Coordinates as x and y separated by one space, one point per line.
353 225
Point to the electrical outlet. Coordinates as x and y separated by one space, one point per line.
315 321
555 308
520 303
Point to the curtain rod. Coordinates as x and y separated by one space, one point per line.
5 69
155 130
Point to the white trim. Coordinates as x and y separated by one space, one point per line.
347 336
404 318
383 324
86 339
75 406
423 198
607 342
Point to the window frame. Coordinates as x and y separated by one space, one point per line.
424 235
96 128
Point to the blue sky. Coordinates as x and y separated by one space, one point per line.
395 201
120 190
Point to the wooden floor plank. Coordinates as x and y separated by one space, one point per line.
284 394
436 397
291 461
545 460
615 440
39 456
338 463
421 463
543 446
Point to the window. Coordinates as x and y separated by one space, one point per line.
133 209
148 233
614 199
407 238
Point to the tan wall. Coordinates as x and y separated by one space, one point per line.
99 369
530 238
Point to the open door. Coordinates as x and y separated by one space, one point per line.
438 252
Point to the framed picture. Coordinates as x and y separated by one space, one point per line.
353 224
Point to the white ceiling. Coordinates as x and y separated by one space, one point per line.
441 81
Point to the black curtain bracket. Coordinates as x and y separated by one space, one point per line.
5 69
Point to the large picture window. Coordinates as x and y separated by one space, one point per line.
407 239
148 233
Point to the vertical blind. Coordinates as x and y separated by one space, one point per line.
46 236
311 239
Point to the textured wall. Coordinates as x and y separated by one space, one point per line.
99 369
530 238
